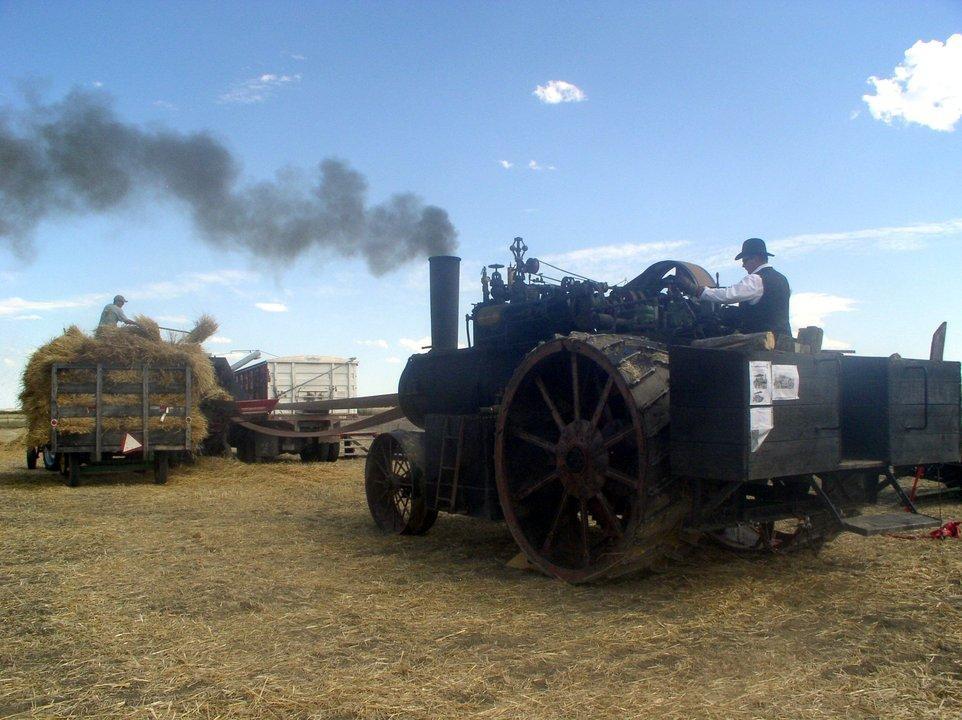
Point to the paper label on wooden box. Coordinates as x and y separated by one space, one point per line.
785 382
760 382
761 423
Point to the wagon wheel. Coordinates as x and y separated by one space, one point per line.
577 457
161 467
333 451
392 483
32 456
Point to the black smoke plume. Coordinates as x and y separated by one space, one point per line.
76 157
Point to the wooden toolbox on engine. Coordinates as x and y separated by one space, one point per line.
751 416
904 412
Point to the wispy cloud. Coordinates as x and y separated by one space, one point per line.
903 238
16 306
559 91
392 360
9 363
373 343
173 318
611 262
537 167
26 317
219 340
506 164
192 282
271 307
97 84
164 105
811 308
256 89
296 56
925 89
415 344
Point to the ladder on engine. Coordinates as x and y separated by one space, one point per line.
449 469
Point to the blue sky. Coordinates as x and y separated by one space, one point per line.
690 126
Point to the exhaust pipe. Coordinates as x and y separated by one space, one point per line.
445 279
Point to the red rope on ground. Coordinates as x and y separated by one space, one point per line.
951 529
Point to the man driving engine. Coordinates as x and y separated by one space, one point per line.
762 295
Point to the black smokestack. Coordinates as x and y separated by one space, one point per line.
76 157
445 279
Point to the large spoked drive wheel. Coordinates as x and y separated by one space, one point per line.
581 457
393 485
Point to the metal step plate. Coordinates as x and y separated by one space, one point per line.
888 523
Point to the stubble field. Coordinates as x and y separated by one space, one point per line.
241 591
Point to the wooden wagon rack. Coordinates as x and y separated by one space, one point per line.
116 426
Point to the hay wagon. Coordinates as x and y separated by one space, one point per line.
113 418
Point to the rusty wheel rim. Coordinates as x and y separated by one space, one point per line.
569 460
389 478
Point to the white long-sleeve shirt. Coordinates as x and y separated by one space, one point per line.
749 289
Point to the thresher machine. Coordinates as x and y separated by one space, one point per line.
607 426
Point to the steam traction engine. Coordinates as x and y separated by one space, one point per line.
556 420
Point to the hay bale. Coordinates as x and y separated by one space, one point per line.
203 329
130 345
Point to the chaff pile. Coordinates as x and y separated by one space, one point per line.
131 348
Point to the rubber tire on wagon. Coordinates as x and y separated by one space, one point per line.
333 451
32 456
72 471
161 468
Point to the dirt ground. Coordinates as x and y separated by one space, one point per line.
265 591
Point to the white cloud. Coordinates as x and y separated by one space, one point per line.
97 84
536 166
829 344
811 308
505 164
296 56
559 91
26 317
219 340
164 105
9 363
16 305
173 318
415 344
393 360
271 307
256 89
373 343
925 89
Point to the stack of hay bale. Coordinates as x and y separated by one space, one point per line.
129 348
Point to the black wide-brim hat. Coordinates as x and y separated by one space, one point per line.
753 246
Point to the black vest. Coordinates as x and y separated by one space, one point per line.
771 311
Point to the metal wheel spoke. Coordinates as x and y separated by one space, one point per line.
556 522
619 436
547 401
586 553
575 389
621 477
534 440
385 469
531 488
602 401
611 521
